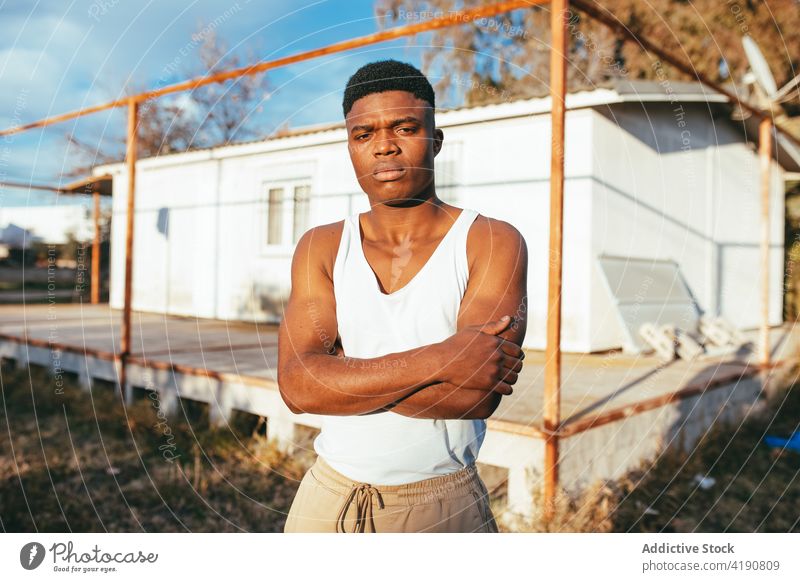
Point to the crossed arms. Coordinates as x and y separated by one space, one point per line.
315 376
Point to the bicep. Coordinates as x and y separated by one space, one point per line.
498 280
309 318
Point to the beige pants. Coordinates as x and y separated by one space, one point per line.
327 501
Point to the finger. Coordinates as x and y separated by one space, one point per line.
511 348
503 388
498 326
514 364
510 377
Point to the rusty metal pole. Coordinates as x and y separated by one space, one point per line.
765 155
552 369
125 333
96 250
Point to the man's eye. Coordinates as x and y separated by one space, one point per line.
409 129
358 137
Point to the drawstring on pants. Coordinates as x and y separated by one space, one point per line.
362 493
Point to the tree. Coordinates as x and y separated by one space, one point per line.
227 106
507 56
166 125
209 116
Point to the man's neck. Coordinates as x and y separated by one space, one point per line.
395 224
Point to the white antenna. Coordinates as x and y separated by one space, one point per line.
760 68
761 76
769 96
785 92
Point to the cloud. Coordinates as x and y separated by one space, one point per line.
57 57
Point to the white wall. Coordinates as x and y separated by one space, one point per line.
213 262
626 193
507 176
687 192
504 166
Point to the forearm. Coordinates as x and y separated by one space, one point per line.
336 384
447 401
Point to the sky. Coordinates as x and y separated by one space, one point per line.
58 56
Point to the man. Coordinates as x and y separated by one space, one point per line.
393 330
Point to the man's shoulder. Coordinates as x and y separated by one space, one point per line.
319 244
488 235
327 230
488 226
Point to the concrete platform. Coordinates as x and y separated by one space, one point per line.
618 411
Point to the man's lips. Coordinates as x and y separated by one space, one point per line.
388 173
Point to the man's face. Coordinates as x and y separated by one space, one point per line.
392 142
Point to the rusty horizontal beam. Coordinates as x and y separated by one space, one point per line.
528 430
572 428
139 359
587 6
195 371
204 349
8 322
50 345
27 186
451 19
85 186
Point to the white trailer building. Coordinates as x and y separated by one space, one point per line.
661 206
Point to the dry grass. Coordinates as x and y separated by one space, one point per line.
590 511
756 489
81 462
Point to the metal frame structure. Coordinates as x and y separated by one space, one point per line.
97 186
554 428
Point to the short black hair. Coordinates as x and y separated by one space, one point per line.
386 75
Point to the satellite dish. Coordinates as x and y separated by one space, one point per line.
760 68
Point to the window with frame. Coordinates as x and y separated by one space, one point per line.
302 203
275 216
288 212
446 168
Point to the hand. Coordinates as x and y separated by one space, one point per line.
474 358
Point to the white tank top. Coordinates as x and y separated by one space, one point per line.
388 448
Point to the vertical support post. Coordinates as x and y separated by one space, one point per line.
552 370
765 156
125 333
96 250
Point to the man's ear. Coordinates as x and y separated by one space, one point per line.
438 138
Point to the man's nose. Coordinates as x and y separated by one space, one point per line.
385 144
